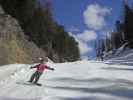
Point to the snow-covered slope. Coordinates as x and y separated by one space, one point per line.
120 56
124 58
81 80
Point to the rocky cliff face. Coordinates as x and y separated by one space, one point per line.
14 47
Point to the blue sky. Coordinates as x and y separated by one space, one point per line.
70 12
87 20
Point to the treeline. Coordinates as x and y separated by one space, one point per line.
122 35
39 26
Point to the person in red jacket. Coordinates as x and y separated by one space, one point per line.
40 68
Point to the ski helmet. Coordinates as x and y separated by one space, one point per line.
41 59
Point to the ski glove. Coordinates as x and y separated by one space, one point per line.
31 67
50 68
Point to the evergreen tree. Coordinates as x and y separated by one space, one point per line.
128 25
38 24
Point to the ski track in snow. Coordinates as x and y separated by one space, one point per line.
81 80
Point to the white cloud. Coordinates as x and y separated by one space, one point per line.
83 46
95 15
87 35
73 29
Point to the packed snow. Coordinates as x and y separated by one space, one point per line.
81 80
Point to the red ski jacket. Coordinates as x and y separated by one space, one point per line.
41 67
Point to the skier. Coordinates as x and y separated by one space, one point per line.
40 68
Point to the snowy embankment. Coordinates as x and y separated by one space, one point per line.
81 80
122 58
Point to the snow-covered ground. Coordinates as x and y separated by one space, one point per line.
120 56
125 57
81 80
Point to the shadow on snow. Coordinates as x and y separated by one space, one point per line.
119 88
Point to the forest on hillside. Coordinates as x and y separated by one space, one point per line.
37 22
121 35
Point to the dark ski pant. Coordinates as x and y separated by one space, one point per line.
35 76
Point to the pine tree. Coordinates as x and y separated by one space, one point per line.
128 23
38 24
